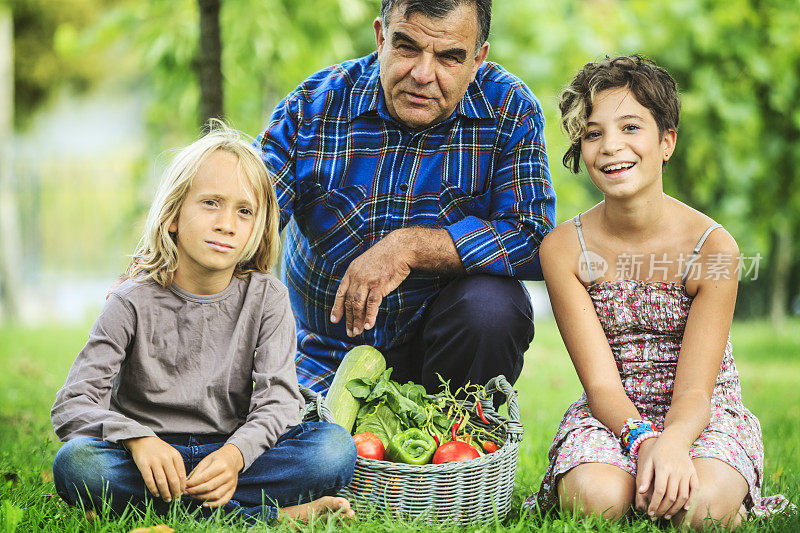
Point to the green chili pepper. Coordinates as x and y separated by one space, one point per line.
413 447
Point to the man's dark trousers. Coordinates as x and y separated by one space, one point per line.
475 328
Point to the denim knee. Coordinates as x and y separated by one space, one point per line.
333 455
79 469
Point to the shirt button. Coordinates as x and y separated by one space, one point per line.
404 187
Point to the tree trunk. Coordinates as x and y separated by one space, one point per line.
779 292
10 261
209 61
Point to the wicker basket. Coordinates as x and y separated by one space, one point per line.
465 492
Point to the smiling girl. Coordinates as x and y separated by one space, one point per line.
643 289
190 366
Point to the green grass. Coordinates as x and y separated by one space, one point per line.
34 364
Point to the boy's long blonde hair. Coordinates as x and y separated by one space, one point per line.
156 255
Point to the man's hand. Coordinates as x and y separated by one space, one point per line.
382 268
161 466
367 281
214 479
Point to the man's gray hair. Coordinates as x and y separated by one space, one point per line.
440 9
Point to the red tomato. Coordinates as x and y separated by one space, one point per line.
369 445
454 450
490 447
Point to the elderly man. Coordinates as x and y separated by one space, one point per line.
416 190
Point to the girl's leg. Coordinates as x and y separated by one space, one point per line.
720 498
310 461
90 472
598 489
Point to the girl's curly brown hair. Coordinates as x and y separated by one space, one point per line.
651 85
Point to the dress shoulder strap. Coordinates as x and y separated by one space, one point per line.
696 250
577 221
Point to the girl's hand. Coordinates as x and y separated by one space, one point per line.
665 478
161 466
215 478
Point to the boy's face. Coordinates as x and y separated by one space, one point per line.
214 223
622 149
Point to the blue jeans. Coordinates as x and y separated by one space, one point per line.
311 460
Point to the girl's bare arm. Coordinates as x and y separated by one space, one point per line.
581 330
704 339
665 469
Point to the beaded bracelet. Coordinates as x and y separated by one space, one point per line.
631 431
634 453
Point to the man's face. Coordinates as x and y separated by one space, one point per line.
426 63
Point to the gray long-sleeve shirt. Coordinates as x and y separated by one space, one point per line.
168 361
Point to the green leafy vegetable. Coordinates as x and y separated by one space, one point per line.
379 420
388 408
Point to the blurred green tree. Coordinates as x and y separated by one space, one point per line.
9 237
268 47
33 34
209 61
32 70
736 61
45 32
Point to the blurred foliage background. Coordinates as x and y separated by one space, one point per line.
129 70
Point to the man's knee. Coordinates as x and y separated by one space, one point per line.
477 328
487 303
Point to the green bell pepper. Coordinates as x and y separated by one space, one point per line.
412 446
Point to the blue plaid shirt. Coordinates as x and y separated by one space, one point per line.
346 174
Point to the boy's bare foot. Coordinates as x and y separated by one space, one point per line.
307 511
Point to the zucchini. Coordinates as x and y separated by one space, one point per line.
360 362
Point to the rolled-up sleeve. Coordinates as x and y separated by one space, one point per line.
522 211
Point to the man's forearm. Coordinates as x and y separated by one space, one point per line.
428 249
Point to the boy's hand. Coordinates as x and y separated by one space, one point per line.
214 479
161 466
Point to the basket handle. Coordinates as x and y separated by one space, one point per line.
501 384
315 400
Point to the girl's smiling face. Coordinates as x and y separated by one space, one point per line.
622 148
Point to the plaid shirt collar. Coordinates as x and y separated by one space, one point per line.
367 96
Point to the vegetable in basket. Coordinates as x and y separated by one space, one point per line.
490 447
389 407
412 446
360 362
369 445
381 421
455 450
